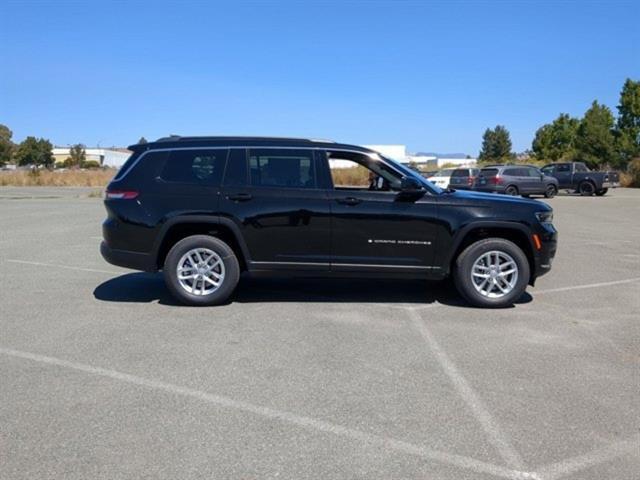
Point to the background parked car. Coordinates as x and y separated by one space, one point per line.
577 176
463 178
516 180
442 177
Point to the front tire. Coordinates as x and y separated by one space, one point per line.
602 192
551 191
492 273
201 270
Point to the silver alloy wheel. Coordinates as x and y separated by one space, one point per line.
494 274
200 271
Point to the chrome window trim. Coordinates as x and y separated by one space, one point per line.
372 155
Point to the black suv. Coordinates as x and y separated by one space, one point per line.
205 209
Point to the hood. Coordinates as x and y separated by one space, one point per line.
472 197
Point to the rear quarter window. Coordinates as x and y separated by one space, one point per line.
199 167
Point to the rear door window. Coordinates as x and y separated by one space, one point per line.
283 168
199 167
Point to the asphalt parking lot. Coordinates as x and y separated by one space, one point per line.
102 375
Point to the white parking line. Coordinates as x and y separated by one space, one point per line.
591 459
309 423
590 285
496 436
68 267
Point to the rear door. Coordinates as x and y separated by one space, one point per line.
272 196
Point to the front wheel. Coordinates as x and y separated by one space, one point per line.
492 273
550 191
201 270
601 192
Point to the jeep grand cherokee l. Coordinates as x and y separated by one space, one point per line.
205 209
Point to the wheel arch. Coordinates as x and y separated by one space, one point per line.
177 228
471 233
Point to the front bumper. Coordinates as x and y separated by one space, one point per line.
543 258
610 184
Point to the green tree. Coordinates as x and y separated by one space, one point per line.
6 145
142 141
556 140
595 142
34 151
627 130
496 145
77 155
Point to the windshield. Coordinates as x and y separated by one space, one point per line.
411 173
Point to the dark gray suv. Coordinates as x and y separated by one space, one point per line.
515 180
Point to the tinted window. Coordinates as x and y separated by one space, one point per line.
534 172
489 172
514 172
461 172
126 166
202 167
563 168
548 169
581 167
235 174
282 168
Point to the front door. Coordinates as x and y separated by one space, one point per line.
273 197
373 226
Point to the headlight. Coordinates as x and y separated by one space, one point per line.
545 218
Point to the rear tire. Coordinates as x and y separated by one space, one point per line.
602 192
586 188
511 190
499 288
209 271
551 191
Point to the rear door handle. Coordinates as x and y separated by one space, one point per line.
349 201
240 197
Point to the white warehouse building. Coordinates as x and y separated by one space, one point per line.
399 153
107 157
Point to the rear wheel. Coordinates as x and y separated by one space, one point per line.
550 191
511 190
492 273
201 270
586 188
602 192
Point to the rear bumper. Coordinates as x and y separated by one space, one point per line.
127 259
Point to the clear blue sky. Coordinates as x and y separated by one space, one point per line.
431 75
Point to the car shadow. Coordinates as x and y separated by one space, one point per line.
143 287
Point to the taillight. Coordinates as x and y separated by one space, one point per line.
497 180
471 180
121 194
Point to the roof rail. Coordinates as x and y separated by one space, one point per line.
179 138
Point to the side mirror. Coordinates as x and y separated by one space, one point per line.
410 185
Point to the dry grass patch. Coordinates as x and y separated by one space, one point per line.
67 178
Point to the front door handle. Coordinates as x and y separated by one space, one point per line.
349 201
240 197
